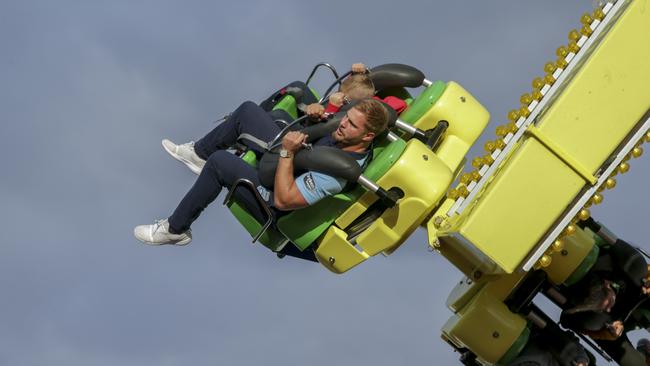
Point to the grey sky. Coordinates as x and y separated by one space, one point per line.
88 90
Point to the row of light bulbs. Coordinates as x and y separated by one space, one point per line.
587 20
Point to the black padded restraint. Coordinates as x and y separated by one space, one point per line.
396 76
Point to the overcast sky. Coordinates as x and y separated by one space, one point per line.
87 91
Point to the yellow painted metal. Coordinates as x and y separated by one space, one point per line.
336 254
423 178
608 95
561 154
582 128
511 216
466 116
565 262
485 326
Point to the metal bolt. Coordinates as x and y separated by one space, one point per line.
332 260
437 221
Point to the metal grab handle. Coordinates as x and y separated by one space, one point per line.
245 183
319 65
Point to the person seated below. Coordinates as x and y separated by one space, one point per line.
355 87
218 168
610 301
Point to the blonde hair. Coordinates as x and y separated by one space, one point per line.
360 84
376 115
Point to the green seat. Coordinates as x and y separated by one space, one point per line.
302 227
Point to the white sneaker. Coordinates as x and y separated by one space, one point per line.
185 154
158 234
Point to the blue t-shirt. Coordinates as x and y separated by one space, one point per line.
315 186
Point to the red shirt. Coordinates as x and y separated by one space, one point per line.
397 104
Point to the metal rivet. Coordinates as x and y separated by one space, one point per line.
332 260
425 157
495 335
462 99
564 252
478 274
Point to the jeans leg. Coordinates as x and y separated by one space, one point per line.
222 169
247 118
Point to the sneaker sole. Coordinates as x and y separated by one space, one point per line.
195 169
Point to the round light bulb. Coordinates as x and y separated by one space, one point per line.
545 261
637 151
597 198
610 183
574 35
526 99
557 245
584 214
538 83
623 168
490 146
599 14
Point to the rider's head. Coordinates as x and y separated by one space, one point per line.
357 87
367 119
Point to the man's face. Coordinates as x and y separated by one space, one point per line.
352 129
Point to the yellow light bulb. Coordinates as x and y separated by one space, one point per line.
573 47
561 63
637 151
557 245
500 144
545 261
537 95
549 67
487 159
513 115
502 130
610 183
526 99
574 35
512 127
465 178
647 137
477 162
623 168
586 18
453 194
586 30
523 111
490 146
599 14
476 175
584 214
597 198
562 51
549 79
538 83
570 229
463 191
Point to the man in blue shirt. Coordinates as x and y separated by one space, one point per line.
218 168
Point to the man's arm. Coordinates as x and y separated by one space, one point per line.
287 196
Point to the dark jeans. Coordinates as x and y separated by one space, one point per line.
223 169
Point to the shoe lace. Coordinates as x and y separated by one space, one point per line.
157 224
